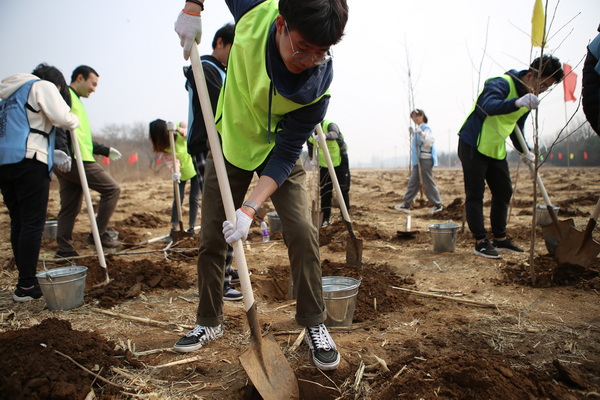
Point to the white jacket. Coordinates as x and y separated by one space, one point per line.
45 97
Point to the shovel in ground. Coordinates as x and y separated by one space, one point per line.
354 245
554 231
264 362
579 248
181 233
90 208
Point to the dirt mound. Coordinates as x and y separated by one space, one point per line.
32 367
548 273
130 278
145 220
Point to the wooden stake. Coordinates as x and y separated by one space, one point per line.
438 296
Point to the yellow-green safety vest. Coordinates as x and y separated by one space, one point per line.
84 133
186 164
496 128
243 108
332 146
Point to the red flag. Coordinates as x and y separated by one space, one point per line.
560 156
133 158
585 156
551 156
569 83
159 159
106 161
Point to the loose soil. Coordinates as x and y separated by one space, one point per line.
426 325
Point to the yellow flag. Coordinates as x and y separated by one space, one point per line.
537 24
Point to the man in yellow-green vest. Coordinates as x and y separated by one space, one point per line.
276 92
338 150
504 103
83 83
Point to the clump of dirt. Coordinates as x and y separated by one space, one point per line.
130 278
145 220
335 235
375 295
32 368
548 273
452 211
129 237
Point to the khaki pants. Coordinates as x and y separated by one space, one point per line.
71 195
300 235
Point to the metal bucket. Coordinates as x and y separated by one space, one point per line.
274 221
542 215
443 236
50 230
63 287
340 294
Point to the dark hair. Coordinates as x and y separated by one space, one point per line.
52 74
159 135
321 22
419 112
548 66
83 70
226 33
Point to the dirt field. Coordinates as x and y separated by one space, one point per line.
464 327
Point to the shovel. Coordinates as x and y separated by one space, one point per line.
90 208
181 233
264 362
354 245
579 248
554 231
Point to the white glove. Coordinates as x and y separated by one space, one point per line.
241 230
62 161
189 29
528 159
114 154
176 176
530 101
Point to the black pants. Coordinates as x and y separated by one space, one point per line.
477 171
25 188
342 172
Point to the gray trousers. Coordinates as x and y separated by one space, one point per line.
71 195
431 190
300 236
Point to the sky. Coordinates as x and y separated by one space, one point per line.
449 47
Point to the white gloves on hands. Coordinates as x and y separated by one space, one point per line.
240 231
189 29
528 159
114 154
530 101
62 161
176 176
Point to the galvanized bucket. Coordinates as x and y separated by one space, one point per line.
274 221
543 217
340 294
63 287
443 236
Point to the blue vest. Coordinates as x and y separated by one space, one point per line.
15 129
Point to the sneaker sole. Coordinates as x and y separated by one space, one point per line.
500 249
233 298
477 253
401 210
23 299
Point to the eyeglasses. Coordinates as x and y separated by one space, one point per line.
300 56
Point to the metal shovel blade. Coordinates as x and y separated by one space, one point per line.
555 231
266 366
354 247
577 248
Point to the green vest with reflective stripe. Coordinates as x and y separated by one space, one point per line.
496 128
243 110
84 133
332 146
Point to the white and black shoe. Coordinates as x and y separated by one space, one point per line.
507 245
324 353
485 249
198 337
